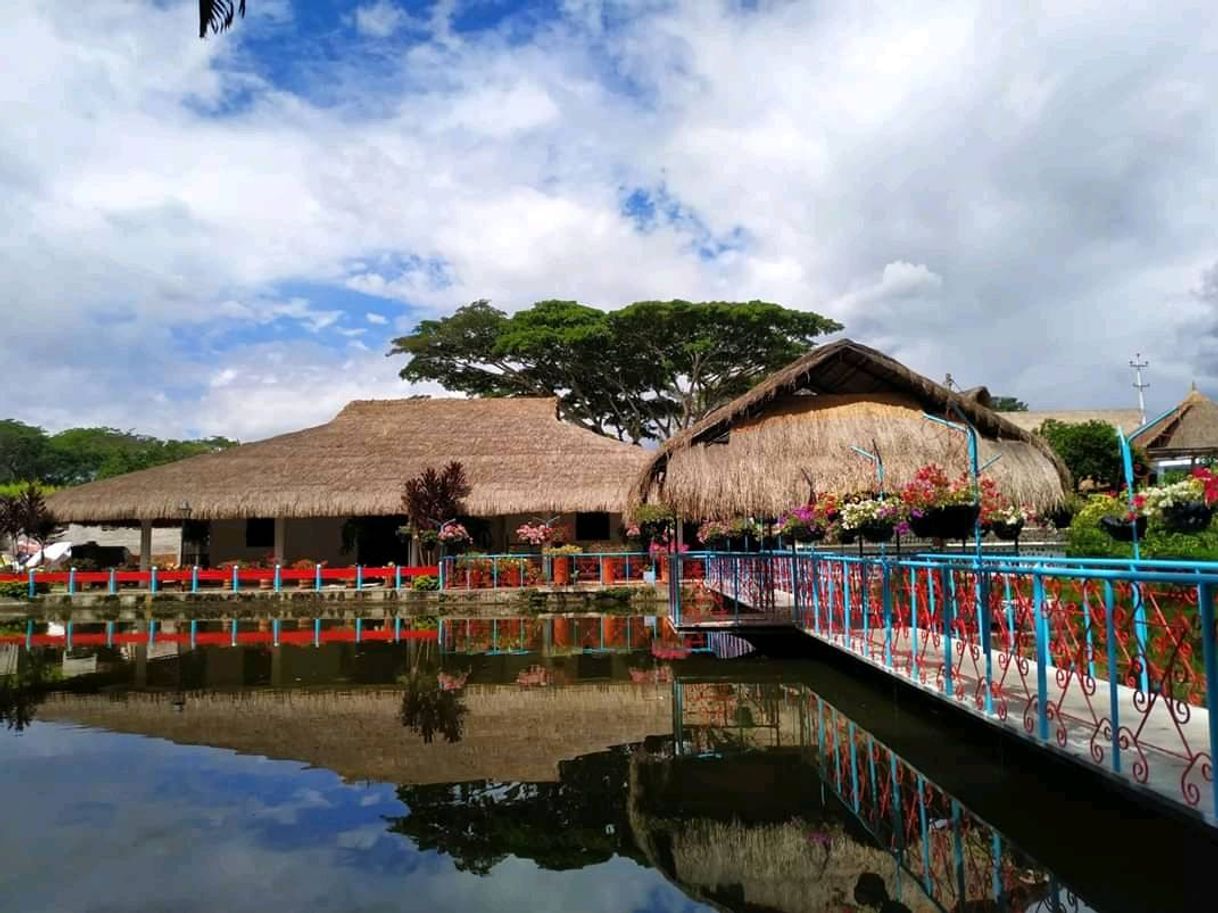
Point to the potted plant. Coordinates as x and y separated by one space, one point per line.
875 519
454 537
535 534
304 564
654 522
1122 527
940 508
714 533
1007 522
745 535
1186 506
560 563
802 524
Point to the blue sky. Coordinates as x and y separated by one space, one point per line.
222 236
113 822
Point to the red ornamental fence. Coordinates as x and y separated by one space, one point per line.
1110 664
232 579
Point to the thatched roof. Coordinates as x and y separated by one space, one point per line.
1127 420
519 457
755 455
1190 429
511 733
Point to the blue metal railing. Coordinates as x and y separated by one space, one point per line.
1105 659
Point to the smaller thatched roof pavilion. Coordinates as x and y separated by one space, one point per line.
518 455
757 455
1187 432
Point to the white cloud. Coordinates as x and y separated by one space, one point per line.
380 19
376 319
979 189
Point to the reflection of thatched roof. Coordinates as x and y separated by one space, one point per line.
1190 429
510 733
756 454
1127 420
518 455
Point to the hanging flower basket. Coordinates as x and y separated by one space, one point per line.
1188 517
877 530
1007 532
948 521
810 534
1121 529
847 536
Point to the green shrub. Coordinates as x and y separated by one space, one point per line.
15 590
425 583
1086 539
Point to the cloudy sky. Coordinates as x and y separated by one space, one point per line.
222 236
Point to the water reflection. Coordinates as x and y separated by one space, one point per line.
651 778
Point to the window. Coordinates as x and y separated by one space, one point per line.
260 532
594 526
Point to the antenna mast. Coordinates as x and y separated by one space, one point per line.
1138 364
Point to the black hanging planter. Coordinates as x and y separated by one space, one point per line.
1007 532
847 536
951 521
1061 518
1190 517
877 531
1121 529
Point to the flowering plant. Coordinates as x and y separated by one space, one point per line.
535 533
1164 497
931 487
632 531
1010 515
1209 484
857 514
563 550
801 522
666 547
714 531
453 534
745 526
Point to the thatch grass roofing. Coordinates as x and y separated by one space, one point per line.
1188 430
518 455
1127 420
760 454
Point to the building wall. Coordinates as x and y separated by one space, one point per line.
312 538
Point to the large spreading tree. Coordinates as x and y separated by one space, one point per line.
642 372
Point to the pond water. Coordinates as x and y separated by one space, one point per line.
474 774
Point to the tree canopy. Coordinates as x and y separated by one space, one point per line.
1007 404
1090 450
218 15
642 372
27 453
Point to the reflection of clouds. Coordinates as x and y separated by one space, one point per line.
149 825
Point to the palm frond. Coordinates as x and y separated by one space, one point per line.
218 15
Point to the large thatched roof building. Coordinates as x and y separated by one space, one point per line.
1187 432
1127 420
521 459
761 453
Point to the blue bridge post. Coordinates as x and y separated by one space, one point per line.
1205 600
1042 656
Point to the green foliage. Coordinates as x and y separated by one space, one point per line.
1007 404
645 371
425 583
1090 450
1086 539
84 454
16 590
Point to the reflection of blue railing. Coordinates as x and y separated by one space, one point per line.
1112 661
956 859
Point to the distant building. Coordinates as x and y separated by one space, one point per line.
289 497
1186 433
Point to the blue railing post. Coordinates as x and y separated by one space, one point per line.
1141 634
275 632
113 582
397 577
152 581
317 577
233 632
31 582
947 610
71 581
886 583
67 635
236 581
151 631
29 633
1042 656
278 581
359 630
846 613
317 632
109 634
194 578
359 576
1205 600
982 596
1087 629
816 591
913 622
194 632
865 596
